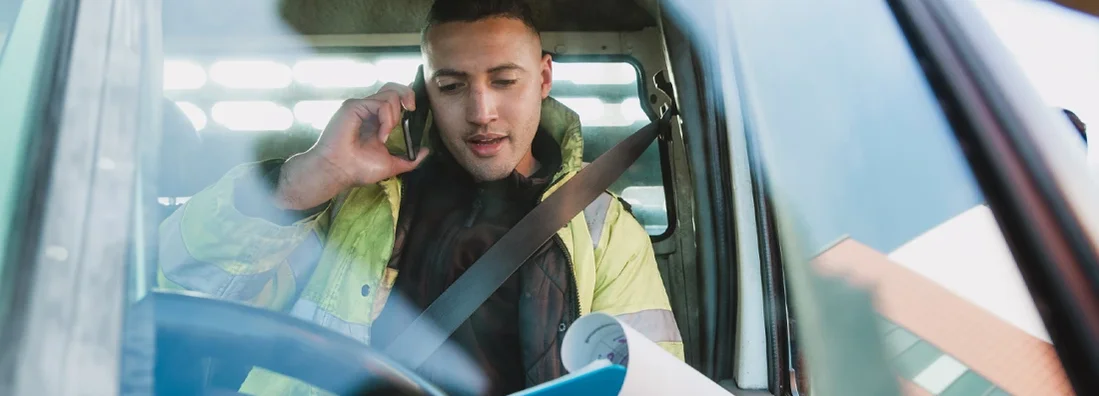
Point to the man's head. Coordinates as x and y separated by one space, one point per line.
486 77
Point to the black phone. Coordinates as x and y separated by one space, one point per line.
415 121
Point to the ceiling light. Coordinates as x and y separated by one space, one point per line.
251 74
252 116
316 112
179 75
398 70
335 73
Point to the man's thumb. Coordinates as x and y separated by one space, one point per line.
404 165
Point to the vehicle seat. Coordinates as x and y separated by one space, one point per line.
180 154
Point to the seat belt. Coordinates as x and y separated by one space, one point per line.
433 327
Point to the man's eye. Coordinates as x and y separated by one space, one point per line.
449 87
505 83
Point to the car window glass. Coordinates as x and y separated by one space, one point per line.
872 190
254 81
606 96
1037 34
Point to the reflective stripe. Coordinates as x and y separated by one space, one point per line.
190 273
658 325
595 214
308 310
183 269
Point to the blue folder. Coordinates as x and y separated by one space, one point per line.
597 379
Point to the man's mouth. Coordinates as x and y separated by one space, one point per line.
486 145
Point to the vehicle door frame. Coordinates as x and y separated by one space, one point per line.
64 333
730 213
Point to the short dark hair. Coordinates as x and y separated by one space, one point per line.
443 11
1078 123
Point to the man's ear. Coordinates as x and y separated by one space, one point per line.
547 75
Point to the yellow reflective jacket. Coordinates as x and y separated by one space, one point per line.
209 246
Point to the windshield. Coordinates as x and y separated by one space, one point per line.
305 169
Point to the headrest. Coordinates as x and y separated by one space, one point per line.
180 150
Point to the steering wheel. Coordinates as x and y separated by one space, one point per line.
191 328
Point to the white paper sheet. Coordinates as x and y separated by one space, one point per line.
650 370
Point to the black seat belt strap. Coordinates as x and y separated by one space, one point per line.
433 327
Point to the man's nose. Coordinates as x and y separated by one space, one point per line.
482 109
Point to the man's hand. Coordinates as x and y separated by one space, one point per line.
351 151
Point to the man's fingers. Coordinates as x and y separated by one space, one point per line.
406 98
385 105
390 100
361 115
387 120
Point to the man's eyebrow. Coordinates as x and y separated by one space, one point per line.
448 73
505 67
462 74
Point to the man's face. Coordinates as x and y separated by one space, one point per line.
486 81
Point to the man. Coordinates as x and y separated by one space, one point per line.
327 240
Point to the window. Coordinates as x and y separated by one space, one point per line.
871 188
606 96
284 102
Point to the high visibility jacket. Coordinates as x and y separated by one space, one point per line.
331 268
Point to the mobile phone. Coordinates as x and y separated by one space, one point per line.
416 120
